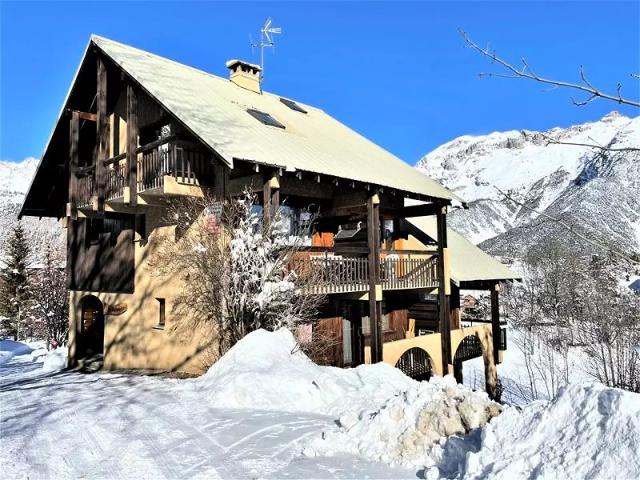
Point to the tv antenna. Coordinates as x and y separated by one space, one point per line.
266 41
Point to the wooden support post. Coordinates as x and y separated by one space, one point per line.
132 145
266 201
457 371
221 181
495 321
375 293
454 307
102 139
74 137
443 289
271 196
275 200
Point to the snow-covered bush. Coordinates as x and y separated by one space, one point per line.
49 307
237 269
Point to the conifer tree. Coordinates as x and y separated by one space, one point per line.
14 284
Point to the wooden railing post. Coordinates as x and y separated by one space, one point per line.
375 303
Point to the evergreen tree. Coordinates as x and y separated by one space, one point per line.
14 284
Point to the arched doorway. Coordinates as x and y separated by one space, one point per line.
91 327
415 363
470 347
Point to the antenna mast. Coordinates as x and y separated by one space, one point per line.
266 41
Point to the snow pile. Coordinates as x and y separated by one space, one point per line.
55 360
587 431
11 348
382 414
404 429
38 353
267 371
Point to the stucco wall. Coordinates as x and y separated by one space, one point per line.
133 338
392 351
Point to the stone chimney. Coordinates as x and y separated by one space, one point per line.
245 75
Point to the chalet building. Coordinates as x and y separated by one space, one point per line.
137 129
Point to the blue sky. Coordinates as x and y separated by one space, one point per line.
396 72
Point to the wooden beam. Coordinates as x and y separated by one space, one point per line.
495 322
443 288
454 307
373 241
132 145
254 183
102 132
74 137
423 210
220 181
266 200
275 200
90 117
292 185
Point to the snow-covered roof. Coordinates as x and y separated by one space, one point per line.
468 263
215 109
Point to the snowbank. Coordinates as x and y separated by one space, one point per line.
11 348
586 431
382 414
404 429
266 370
55 360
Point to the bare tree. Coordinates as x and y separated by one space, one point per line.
570 300
49 309
236 269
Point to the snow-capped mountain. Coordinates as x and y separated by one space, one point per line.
594 191
15 178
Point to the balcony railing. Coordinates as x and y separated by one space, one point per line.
186 162
403 273
329 274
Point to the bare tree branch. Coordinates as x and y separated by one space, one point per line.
527 72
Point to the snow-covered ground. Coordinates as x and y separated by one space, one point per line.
265 411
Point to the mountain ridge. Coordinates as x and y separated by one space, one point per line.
592 190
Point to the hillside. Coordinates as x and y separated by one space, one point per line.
15 178
596 192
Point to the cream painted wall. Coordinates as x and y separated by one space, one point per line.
133 339
392 351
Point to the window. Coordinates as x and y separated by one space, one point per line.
293 105
265 118
161 313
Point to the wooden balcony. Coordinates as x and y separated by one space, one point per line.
331 274
184 162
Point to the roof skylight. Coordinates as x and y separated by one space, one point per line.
265 118
293 105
